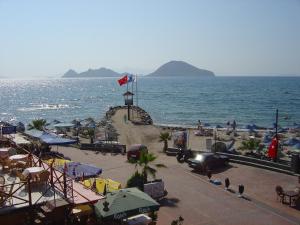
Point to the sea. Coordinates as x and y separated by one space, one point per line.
177 101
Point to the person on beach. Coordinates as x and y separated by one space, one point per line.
199 124
200 127
228 127
234 127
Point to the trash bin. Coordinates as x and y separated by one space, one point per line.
295 163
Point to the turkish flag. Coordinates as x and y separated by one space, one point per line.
272 151
123 80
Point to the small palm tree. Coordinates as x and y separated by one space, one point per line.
91 133
144 162
164 137
37 124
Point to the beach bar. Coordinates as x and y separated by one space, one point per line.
32 191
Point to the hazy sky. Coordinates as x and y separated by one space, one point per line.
229 37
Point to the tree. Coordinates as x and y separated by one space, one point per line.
91 133
144 162
136 180
38 124
164 137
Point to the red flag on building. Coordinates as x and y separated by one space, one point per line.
272 151
123 80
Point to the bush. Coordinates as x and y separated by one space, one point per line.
252 144
136 180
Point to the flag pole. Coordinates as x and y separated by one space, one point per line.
276 124
277 141
132 97
136 90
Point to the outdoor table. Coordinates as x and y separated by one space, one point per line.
290 194
20 157
4 152
33 171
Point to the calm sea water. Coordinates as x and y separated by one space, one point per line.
180 101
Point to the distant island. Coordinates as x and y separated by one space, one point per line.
172 68
180 68
102 72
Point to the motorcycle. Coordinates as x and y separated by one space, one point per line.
183 155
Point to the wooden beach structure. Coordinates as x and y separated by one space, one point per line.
34 198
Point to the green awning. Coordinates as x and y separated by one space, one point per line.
125 203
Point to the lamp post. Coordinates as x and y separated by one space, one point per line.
128 98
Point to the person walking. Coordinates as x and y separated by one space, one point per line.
234 127
228 127
199 124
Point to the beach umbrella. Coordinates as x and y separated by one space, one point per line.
251 127
124 203
297 146
56 121
76 169
267 138
291 142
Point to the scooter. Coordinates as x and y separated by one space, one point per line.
183 155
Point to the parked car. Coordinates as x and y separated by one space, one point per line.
134 151
208 161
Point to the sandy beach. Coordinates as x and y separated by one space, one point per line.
149 134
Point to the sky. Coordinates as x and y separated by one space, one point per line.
228 37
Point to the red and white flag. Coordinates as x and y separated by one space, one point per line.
123 80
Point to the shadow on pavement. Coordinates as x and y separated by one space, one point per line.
169 202
214 171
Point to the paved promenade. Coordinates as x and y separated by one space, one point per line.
202 203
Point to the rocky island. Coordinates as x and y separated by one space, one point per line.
102 72
180 68
172 68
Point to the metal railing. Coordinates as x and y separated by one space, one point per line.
57 182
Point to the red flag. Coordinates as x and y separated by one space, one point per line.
123 80
272 151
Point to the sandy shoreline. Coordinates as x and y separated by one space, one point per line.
149 134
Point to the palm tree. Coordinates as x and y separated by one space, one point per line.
164 137
144 162
37 124
91 133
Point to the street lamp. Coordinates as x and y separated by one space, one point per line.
128 98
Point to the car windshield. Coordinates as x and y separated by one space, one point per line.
199 158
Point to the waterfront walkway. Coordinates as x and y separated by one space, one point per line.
200 202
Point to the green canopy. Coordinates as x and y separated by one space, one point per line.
125 203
